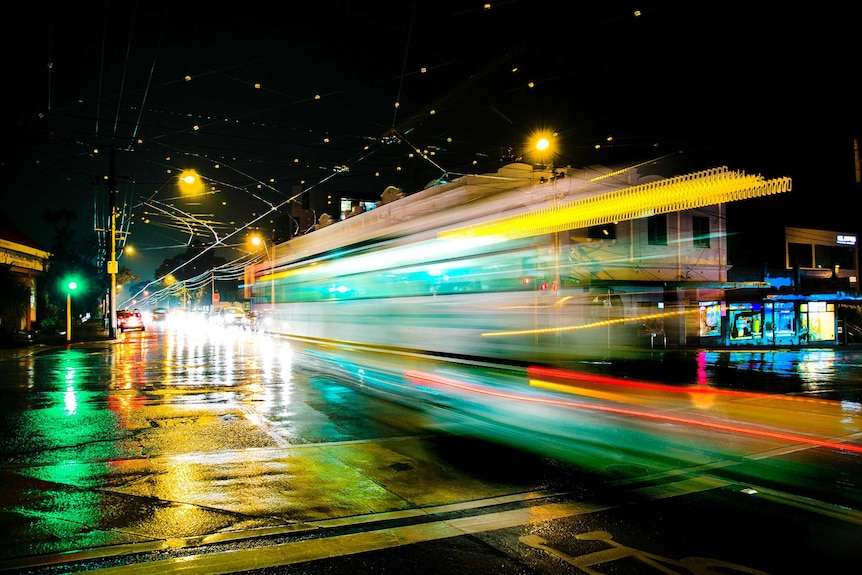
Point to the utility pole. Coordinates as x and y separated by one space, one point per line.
215 297
113 267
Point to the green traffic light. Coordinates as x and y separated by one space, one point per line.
73 285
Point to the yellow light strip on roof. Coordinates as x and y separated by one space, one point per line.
705 188
595 324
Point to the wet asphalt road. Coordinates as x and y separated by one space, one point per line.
216 452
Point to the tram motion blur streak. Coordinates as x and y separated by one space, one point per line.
541 371
494 266
503 269
435 380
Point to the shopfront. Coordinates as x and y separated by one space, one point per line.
745 323
794 321
818 322
781 323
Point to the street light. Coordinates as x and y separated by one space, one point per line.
190 183
256 240
72 285
170 280
542 147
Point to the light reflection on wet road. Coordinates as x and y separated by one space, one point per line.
173 435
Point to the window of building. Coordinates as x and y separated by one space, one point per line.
800 255
827 257
700 231
351 207
657 230
602 232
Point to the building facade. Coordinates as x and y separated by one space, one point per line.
813 301
26 260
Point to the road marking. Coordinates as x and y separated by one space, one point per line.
328 547
616 551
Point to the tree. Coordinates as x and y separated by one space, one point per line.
126 277
70 259
62 243
195 263
192 263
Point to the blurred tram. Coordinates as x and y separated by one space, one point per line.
476 302
521 266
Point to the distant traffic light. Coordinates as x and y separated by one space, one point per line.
70 283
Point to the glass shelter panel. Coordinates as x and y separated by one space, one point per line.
710 318
785 318
745 321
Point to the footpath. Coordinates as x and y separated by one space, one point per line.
26 344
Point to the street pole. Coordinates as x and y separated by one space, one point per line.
68 316
112 269
112 263
69 287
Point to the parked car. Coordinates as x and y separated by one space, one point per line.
130 320
23 336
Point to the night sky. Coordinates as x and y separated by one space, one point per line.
263 101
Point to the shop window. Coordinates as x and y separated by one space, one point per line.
710 319
819 320
657 230
745 321
700 231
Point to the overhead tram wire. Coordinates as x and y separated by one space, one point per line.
240 172
360 157
105 220
404 66
142 106
232 270
126 214
366 153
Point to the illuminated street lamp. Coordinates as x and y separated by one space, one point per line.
170 280
543 144
256 240
542 147
72 286
190 182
